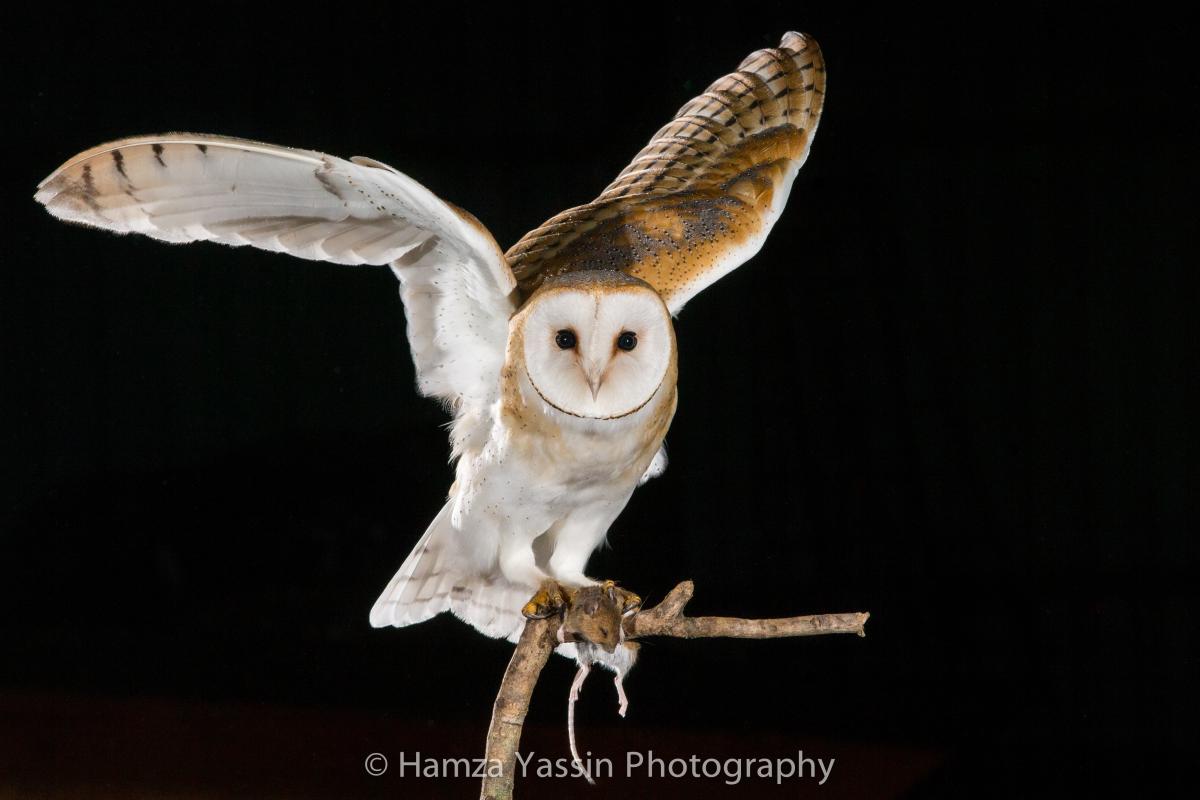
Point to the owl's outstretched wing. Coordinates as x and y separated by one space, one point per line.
455 282
700 199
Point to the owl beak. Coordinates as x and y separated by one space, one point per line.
595 376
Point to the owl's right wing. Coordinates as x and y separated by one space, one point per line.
455 282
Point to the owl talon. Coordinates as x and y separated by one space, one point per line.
625 600
551 599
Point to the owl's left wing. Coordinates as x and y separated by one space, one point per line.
700 199
456 285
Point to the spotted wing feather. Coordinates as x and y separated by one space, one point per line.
700 199
456 285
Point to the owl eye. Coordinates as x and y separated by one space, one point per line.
565 339
627 340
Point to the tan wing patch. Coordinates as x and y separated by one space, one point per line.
699 199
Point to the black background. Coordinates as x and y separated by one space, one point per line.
949 390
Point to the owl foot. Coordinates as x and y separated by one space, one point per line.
624 599
551 599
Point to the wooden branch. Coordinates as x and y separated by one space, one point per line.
538 640
665 619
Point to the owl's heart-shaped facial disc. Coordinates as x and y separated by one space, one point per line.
597 349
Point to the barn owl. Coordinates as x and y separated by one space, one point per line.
556 359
